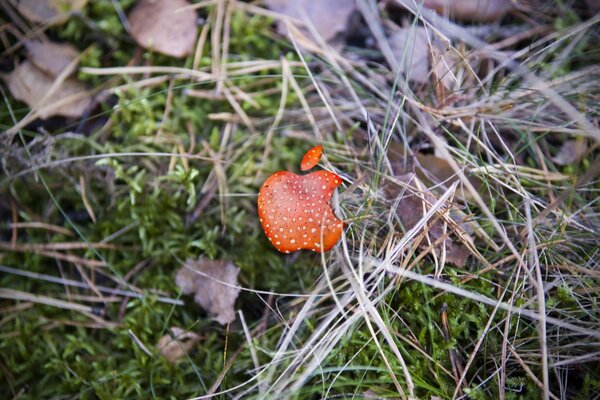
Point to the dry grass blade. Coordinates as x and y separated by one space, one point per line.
12 294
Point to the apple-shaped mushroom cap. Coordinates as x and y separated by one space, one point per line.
295 213
311 158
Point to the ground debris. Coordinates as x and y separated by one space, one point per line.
165 26
437 171
414 199
571 152
329 18
31 85
214 285
43 11
414 202
177 346
50 57
410 47
471 10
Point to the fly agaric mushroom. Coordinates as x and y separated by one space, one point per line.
311 158
294 209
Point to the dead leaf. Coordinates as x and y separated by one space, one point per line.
437 170
413 204
57 11
214 285
52 58
29 84
471 10
330 18
176 347
571 152
410 47
444 79
593 6
162 25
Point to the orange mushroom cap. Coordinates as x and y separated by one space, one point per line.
295 213
311 158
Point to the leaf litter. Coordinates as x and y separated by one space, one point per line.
470 10
50 57
329 18
166 26
177 346
414 199
410 47
214 286
571 152
44 11
30 85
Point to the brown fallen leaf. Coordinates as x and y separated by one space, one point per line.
443 78
434 169
164 26
330 18
177 346
57 11
410 47
471 10
29 84
51 58
593 6
214 285
413 204
571 152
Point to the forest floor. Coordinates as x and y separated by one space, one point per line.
135 137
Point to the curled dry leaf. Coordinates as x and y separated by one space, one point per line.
471 10
164 26
411 50
177 346
413 203
330 18
213 284
29 84
51 58
57 11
